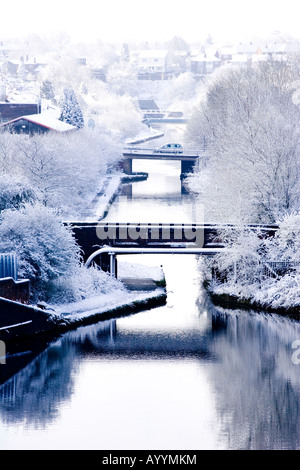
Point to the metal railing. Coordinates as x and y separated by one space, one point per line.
114 251
278 268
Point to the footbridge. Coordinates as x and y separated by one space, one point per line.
188 157
102 242
114 251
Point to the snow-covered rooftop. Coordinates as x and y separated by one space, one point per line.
240 58
204 58
43 119
228 50
246 48
149 53
50 122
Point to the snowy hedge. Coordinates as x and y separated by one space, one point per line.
45 248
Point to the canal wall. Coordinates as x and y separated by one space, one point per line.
21 321
233 302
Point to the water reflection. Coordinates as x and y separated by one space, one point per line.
36 393
245 357
162 198
33 395
256 381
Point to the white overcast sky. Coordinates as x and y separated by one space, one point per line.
139 20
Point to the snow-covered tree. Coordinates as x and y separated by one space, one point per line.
122 80
182 92
7 152
45 248
15 192
54 165
252 128
47 90
40 159
116 113
125 54
71 112
177 51
285 245
264 270
22 72
177 43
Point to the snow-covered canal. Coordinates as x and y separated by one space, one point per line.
183 376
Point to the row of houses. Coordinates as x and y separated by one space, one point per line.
165 62
30 70
205 61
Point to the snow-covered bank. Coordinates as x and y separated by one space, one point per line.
258 271
272 295
233 302
106 303
140 271
105 197
109 191
117 298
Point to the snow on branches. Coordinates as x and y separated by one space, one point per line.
251 126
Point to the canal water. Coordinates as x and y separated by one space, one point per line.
186 375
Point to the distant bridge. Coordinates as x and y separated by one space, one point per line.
188 158
155 120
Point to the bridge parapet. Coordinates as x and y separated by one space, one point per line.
147 234
91 235
158 153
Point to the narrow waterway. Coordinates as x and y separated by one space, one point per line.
186 375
